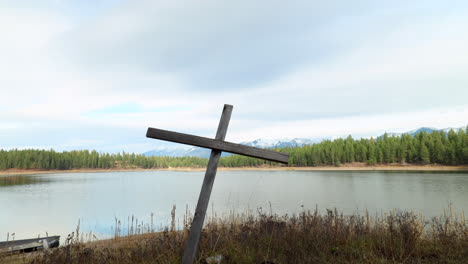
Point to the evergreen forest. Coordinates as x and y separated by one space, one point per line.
438 147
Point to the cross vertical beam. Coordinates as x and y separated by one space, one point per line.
217 146
205 193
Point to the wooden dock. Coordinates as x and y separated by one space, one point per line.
28 245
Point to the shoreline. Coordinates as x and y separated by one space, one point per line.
351 167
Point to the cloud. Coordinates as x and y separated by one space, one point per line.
215 45
99 78
358 125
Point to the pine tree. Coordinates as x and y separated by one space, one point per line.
425 157
371 151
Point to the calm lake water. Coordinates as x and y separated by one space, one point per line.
53 203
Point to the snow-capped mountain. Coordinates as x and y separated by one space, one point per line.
427 130
170 152
279 143
205 153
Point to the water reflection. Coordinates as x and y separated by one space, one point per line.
6 181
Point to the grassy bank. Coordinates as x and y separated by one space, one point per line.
310 237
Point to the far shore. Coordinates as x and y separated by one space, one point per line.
346 167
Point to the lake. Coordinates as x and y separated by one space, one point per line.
36 204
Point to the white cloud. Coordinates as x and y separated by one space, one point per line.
301 70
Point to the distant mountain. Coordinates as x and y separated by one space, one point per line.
279 143
205 153
425 129
170 152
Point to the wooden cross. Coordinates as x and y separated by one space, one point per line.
216 145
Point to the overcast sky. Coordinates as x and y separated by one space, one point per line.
95 74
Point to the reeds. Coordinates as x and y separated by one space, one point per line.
265 237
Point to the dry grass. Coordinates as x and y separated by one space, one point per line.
310 237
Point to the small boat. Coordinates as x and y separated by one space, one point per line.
28 245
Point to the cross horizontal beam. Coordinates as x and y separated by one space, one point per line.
217 144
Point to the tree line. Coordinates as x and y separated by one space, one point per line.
424 148
84 159
437 147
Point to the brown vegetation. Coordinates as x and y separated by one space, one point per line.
398 237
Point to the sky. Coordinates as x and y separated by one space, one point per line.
82 74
